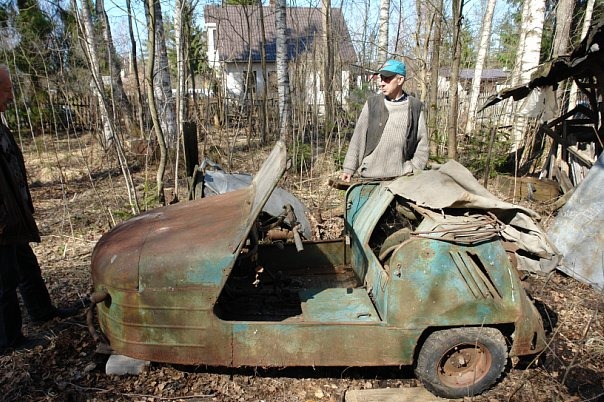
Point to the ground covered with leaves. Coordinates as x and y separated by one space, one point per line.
79 195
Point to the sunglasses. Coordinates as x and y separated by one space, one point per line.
387 79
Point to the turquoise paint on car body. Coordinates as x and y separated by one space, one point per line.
192 288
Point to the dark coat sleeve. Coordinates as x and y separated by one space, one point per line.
17 224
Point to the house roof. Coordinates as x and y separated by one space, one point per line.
239 31
492 74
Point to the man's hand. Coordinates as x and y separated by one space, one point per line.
346 177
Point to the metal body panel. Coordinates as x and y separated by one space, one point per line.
454 291
193 245
169 246
164 269
336 305
176 285
218 181
166 325
432 283
375 278
438 284
321 344
360 220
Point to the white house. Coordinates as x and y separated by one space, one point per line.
235 41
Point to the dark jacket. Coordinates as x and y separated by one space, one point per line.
377 108
17 224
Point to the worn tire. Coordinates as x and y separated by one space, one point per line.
459 362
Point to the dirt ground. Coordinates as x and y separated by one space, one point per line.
79 194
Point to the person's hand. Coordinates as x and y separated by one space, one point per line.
346 177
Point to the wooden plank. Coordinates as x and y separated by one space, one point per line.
552 161
581 155
415 394
565 184
530 188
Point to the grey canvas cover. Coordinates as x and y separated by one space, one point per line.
454 186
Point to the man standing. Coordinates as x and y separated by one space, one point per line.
390 138
18 264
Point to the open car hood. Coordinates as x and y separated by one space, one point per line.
185 244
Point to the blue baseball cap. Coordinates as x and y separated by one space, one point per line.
393 67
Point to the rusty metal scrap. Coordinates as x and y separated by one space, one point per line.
467 229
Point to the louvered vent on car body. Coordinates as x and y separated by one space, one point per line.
474 273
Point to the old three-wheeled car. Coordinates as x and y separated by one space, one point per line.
206 282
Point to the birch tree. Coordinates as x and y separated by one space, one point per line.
422 34
564 18
383 31
264 109
529 49
485 37
285 111
88 36
516 71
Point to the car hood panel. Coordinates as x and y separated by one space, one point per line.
187 244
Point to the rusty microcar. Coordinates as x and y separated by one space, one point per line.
214 282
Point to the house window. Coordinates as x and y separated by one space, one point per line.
212 37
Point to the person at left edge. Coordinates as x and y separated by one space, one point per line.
19 268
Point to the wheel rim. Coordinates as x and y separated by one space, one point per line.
464 365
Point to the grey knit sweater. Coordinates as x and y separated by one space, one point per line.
387 158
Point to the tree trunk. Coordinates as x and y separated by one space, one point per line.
517 70
531 33
264 111
89 44
564 17
574 90
453 91
485 36
434 69
134 57
422 36
162 82
117 88
285 111
383 32
328 69
149 71
180 16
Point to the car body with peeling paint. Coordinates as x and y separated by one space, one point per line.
202 282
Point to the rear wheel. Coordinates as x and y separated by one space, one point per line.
460 362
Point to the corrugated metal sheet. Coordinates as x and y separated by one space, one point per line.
578 230
240 32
